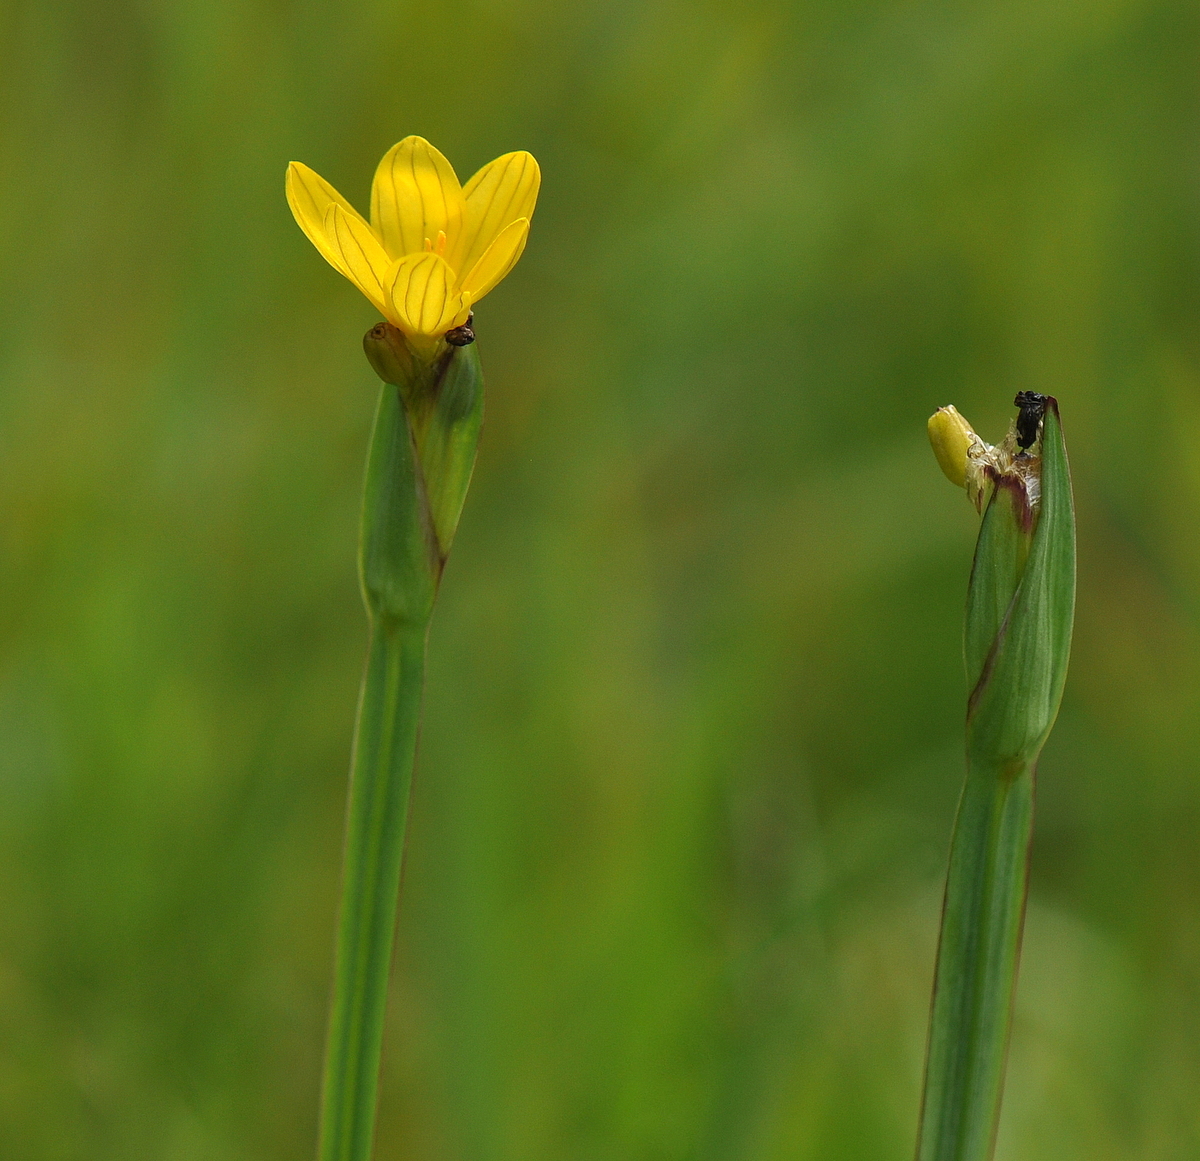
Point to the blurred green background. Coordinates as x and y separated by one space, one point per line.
693 727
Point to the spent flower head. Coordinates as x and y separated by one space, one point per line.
970 463
433 248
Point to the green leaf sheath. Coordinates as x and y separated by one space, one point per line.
422 452
1020 609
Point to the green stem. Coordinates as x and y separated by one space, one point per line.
977 964
385 746
399 570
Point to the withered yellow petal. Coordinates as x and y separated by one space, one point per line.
310 195
953 440
360 256
497 260
422 295
415 194
501 192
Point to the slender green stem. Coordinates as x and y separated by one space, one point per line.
385 746
399 569
422 454
977 964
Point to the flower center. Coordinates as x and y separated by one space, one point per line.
438 247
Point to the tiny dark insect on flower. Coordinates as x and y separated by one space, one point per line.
464 335
1033 407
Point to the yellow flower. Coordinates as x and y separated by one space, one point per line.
433 248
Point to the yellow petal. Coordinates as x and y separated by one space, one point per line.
310 195
953 441
498 259
415 194
501 192
422 296
360 256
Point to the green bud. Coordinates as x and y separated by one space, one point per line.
389 354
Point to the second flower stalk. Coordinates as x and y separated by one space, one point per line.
1020 609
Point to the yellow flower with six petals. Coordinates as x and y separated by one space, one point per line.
433 247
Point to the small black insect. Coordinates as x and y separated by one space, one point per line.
1033 407
464 335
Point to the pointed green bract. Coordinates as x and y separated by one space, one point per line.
436 411
422 454
1000 556
1020 609
398 560
1016 695
447 439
